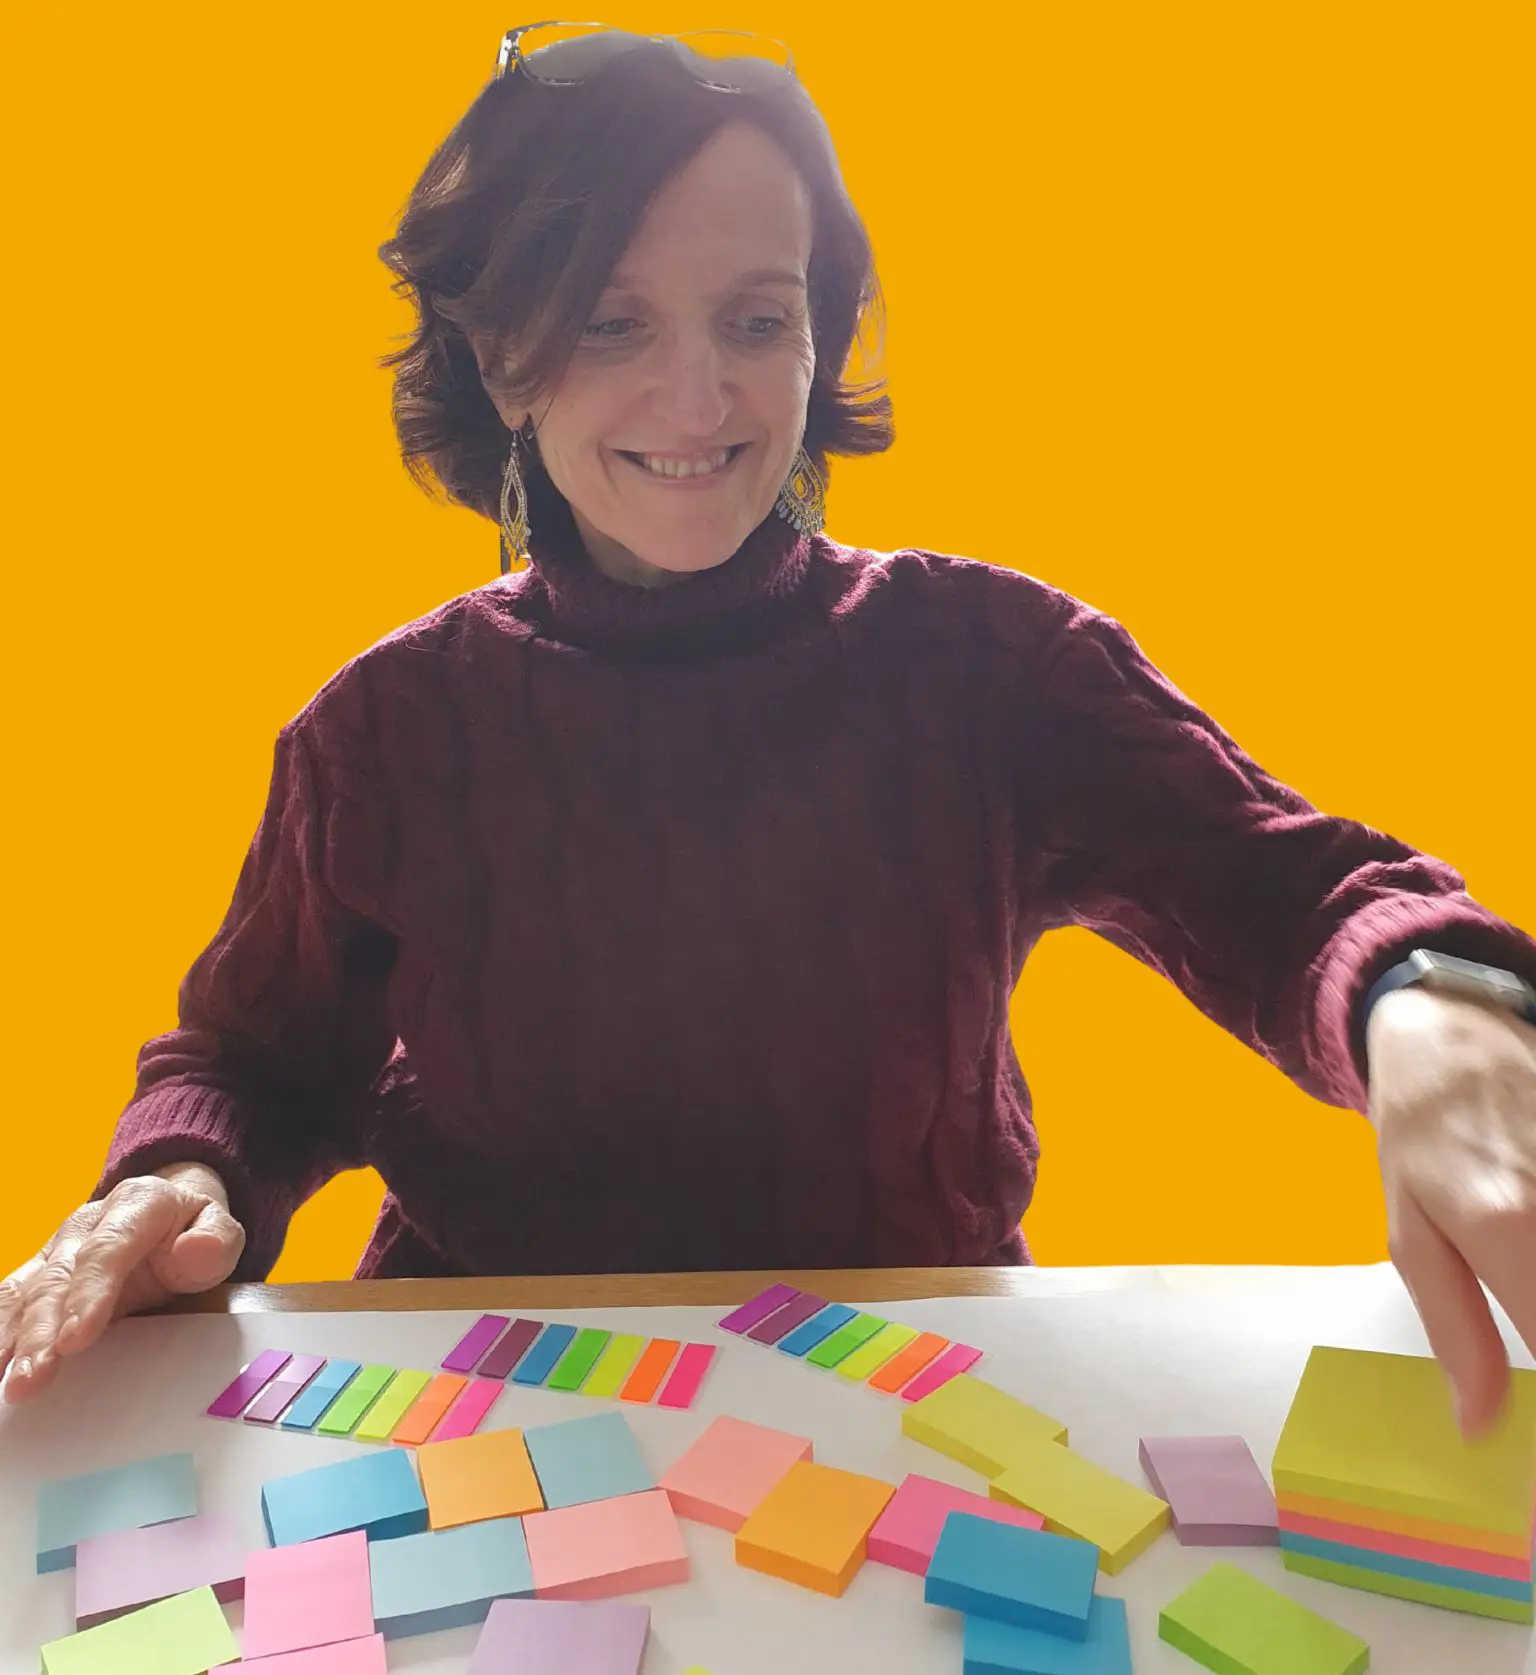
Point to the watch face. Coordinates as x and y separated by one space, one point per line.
1450 975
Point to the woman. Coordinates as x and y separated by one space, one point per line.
659 907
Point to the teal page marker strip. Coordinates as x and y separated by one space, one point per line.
540 1361
322 1390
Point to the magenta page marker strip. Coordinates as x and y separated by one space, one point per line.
510 1348
479 1338
231 1402
784 1320
281 1393
475 1401
760 1307
687 1375
954 1360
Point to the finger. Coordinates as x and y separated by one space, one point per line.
1457 1320
12 1295
1501 1251
204 1255
32 1356
135 1218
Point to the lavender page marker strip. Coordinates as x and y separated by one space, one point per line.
479 1338
759 1308
231 1402
284 1390
787 1318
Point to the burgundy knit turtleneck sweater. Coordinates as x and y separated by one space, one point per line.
675 928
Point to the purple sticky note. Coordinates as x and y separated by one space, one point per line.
510 1348
479 1338
1216 1494
784 1320
562 1637
122 1571
759 1308
254 1376
278 1396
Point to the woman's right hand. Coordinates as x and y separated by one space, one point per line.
151 1238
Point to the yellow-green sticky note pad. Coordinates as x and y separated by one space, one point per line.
614 1365
977 1424
1376 1430
1078 1498
183 1635
1234 1624
378 1424
870 1357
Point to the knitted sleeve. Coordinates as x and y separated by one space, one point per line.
1274 918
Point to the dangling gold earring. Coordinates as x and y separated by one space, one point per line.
514 530
802 501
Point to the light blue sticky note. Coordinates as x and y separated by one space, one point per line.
1030 1578
323 1389
448 1578
993 1648
540 1360
376 1492
582 1460
70 1509
817 1329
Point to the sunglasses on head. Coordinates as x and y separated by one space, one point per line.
565 54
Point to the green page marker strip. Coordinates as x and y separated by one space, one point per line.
872 1356
378 1424
350 1406
614 1365
845 1340
578 1360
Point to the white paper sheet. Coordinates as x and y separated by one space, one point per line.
1115 1354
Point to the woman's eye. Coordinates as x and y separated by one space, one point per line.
609 331
762 325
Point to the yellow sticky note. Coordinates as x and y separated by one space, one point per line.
1376 1430
1078 1498
378 1424
977 1424
183 1635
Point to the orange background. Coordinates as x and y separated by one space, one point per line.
1216 316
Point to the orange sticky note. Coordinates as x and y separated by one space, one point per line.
426 1412
813 1526
908 1363
650 1370
470 1479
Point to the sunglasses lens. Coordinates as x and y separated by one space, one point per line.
571 51
734 59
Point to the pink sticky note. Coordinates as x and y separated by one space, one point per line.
907 1532
274 1401
311 1593
727 1474
475 1401
954 1360
687 1375
1216 1494
348 1657
129 1568
603 1548
231 1401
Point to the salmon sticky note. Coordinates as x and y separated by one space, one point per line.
603 1548
311 1594
726 1475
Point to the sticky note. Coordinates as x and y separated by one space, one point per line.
1235 1624
954 1360
1027 1577
870 1357
362 1391
313 1593
1426 1529
1216 1494
758 1308
643 1383
1382 1541
69 1509
907 1532
907 1363
812 1526
1334 1444
727 1473
510 1348
464 1417
349 1657
687 1375
578 1361
540 1360
803 1339
470 1479
394 1402
589 1459
476 1342
429 1409
842 1343
448 1578
273 1401
603 1548
994 1648
557 1637
183 1635
376 1492
231 1401
613 1367
1408 1587
1078 1498
319 1393
125 1569
1461 1579
977 1424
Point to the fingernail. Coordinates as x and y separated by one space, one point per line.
23 1368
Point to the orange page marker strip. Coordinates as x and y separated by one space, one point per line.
907 1363
650 1369
425 1413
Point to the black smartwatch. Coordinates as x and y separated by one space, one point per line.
1447 974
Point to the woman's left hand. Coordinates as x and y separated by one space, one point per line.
1453 1100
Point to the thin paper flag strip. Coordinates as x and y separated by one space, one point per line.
429 1409
465 1415
230 1403
687 1375
275 1399
322 1390
340 1419
467 1352
183 1635
590 1360
510 1348
395 1401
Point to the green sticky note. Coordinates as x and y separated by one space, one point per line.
845 1340
378 1424
577 1362
350 1406
872 1356
1409 1587
183 1635
1234 1624
614 1365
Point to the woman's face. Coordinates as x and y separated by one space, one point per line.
673 428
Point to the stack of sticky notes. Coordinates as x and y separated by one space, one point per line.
125 1569
1377 1488
376 1493
730 1470
126 1497
1216 1494
183 1635
560 1637
907 1532
448 1578
812 1527
473 1478
313 1593
1235 1624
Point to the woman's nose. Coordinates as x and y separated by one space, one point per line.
692 395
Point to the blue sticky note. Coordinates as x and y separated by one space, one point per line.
376 1492
817 1329
993 1648
127 1497
540 1360
448 1578
581 1460
309 1408
1030 1578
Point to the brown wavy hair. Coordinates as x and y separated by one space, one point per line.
523 212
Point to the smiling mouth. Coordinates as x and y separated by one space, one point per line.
671 469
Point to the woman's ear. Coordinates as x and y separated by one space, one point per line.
513 417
